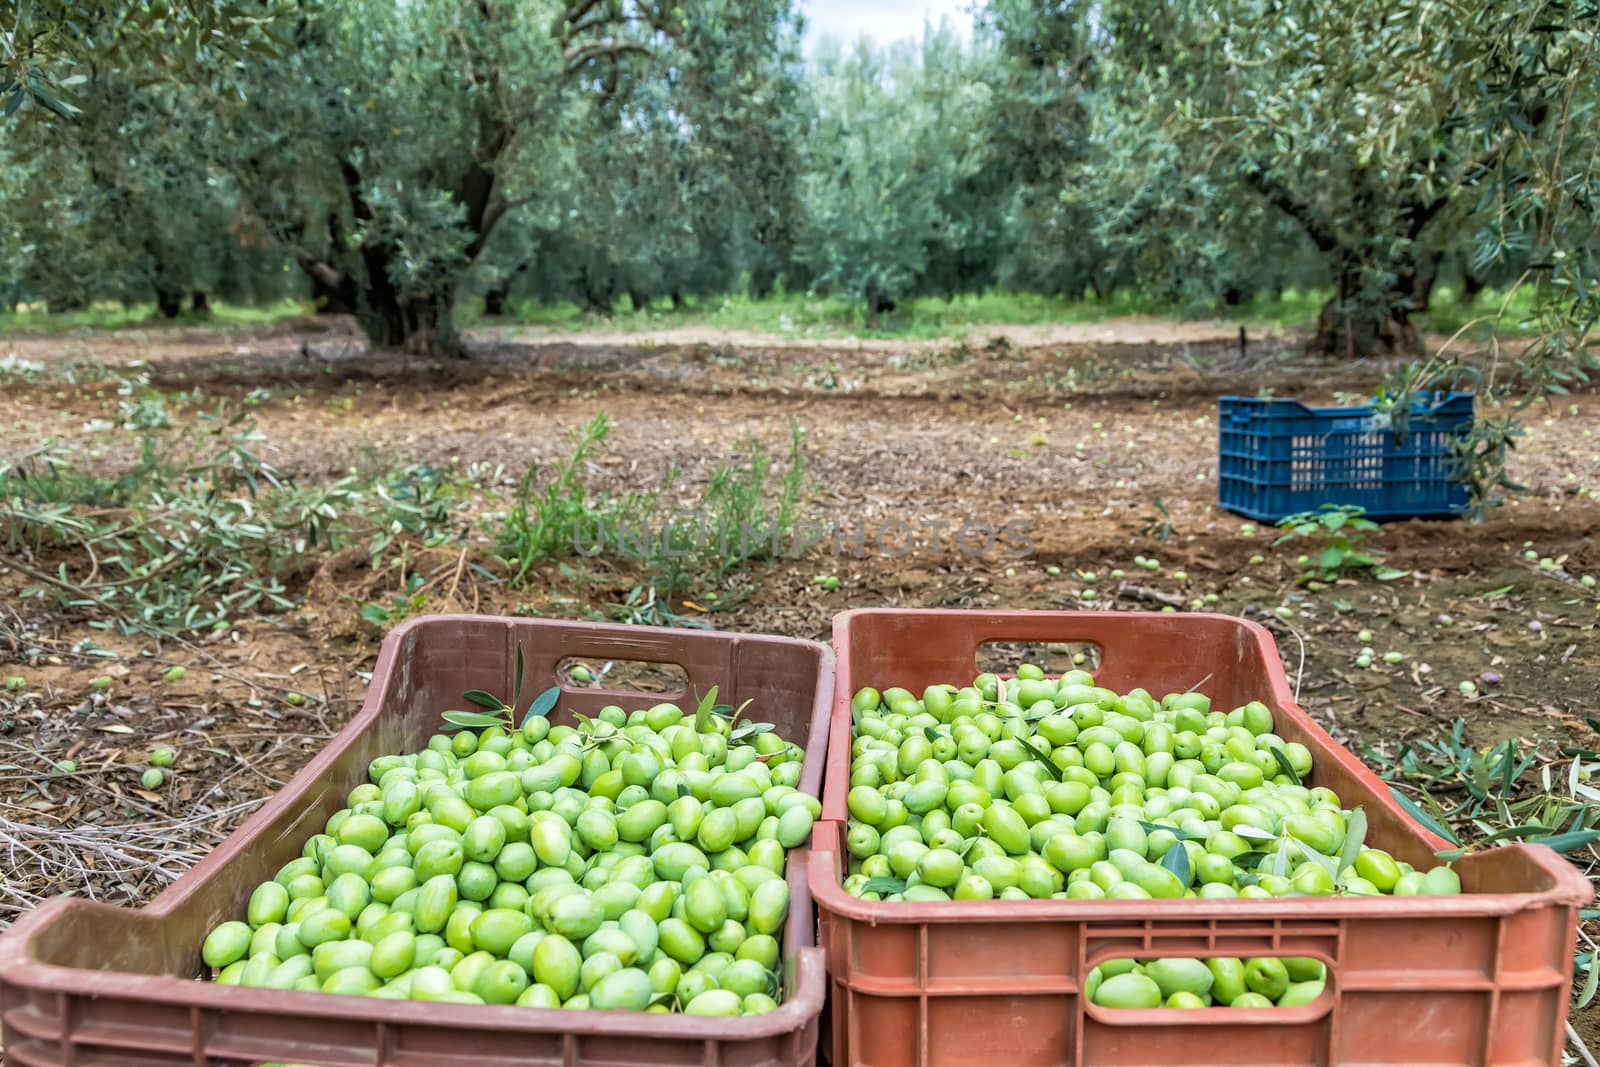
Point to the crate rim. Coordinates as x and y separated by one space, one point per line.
1439 396
21 970
798 1010
1571 888
174 894
1569 885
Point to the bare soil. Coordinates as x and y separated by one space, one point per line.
1125 330
1100 444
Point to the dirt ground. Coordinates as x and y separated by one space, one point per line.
1102 441
1122 331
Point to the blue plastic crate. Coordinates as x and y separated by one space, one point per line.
1279 457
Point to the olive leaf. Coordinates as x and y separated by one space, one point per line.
484 700
750 729
1568 841
930 733
1050 767
1248 861
684 791
1280 861
544 703
702 716
1591 983
1355 835
472 719
883 885
1254 833
1423 817
1283 762
1152 827
1177 861
516 687
1315 857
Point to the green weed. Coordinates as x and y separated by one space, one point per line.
643 606
559 516
200 529
1495 312
746 512
402 606
802 315
112 315
1338 538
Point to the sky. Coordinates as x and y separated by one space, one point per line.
882 20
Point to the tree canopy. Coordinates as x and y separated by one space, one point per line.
391 159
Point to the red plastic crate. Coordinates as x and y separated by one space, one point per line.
84 984
1482 979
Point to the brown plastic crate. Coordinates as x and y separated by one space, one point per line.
1483 978
89 985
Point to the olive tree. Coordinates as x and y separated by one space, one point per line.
51 49
898 131
684 186
112 188
1199 128
1364 150
399 136
121 207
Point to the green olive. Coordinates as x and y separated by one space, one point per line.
1128 990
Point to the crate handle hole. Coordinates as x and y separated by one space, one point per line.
1306 982
1054 657
622 676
